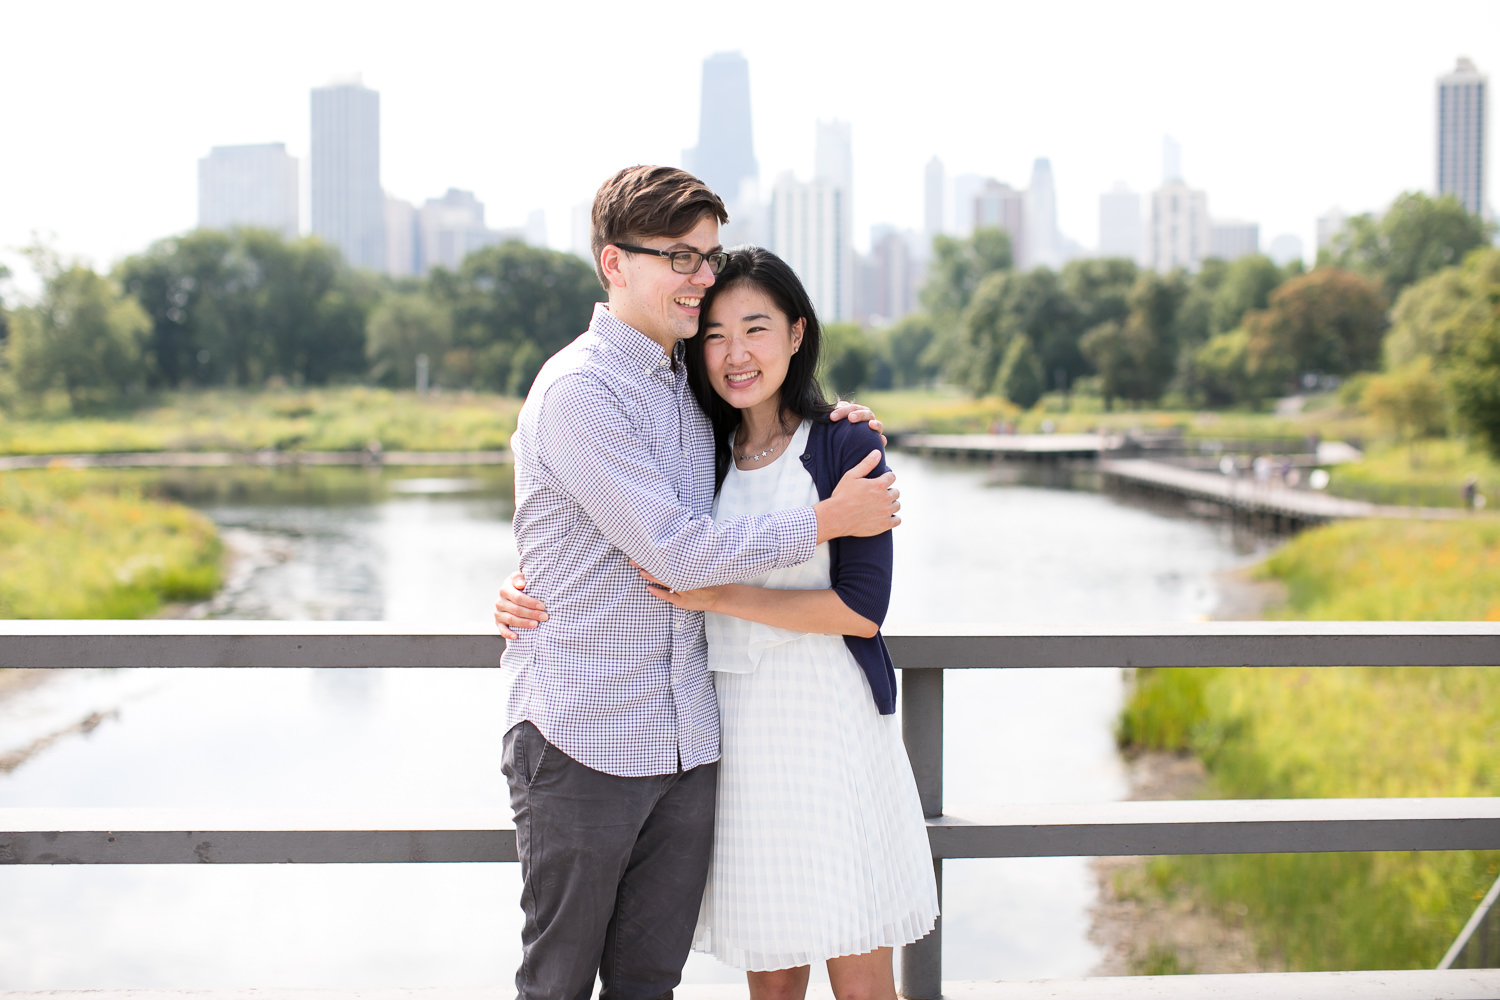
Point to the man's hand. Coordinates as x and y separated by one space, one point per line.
857 414
514 609
860 507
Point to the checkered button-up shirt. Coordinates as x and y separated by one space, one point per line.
614 462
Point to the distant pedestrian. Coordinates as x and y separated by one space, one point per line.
1471 492
1261 468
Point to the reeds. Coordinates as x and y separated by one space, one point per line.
70 549
1345 732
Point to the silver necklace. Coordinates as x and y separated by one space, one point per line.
775 443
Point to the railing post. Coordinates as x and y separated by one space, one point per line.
922 731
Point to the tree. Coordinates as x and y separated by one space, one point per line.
1408 400
1417 237
1328 320
1135 357
845 358
1194 322
1248 283
84 337
1007 305
905 349
4 315
1020 379
1097 290
1430 316
958 267
238 307
513 306
403 327
1220 370
1474 382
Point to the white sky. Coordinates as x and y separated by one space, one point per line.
1282 108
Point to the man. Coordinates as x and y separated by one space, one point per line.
612 744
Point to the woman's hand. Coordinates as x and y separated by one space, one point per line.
514 609
702 599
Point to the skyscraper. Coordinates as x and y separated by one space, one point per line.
1042 248
833 164
1284 249
248 186
998 205
935 185
725 155
893 275
1179 231
1463 135
1120 223
400 238
1231 239
452 227
1171 160
348 206
965 190
833 155
809 227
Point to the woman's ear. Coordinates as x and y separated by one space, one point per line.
797 330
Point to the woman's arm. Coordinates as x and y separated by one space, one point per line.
821 611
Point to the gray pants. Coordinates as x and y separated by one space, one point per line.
612 872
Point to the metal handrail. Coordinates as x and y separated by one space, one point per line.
924 653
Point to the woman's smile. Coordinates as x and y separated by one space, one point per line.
747 345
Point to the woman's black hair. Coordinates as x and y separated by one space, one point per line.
801 395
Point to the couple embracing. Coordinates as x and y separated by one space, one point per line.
701 747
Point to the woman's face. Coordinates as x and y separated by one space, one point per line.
747 345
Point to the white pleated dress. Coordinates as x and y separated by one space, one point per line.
820 849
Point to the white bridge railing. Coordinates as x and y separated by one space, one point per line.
155 836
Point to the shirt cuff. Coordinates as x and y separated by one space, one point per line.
798 529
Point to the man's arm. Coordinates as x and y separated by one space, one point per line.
594 454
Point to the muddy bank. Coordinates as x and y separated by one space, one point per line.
1149 929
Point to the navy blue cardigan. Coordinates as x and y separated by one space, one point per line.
859 569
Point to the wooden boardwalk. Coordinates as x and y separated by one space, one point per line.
1052 446
1242 494
250 459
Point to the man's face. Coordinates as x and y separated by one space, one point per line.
655 299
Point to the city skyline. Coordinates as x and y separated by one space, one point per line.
1259 139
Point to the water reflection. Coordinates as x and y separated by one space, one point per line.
1029 545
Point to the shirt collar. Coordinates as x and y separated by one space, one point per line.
641 349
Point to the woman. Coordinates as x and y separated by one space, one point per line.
820 851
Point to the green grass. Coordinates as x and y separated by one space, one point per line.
949 411
337 419
69 549
1428 473
1347 732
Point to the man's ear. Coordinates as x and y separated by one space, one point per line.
612 263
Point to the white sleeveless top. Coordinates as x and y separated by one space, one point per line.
735 646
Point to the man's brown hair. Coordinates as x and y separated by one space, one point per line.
644 202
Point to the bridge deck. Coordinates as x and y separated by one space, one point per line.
1271 499
1025 445
1413 984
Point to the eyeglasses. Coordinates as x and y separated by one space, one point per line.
685 261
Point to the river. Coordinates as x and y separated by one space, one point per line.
1025 545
